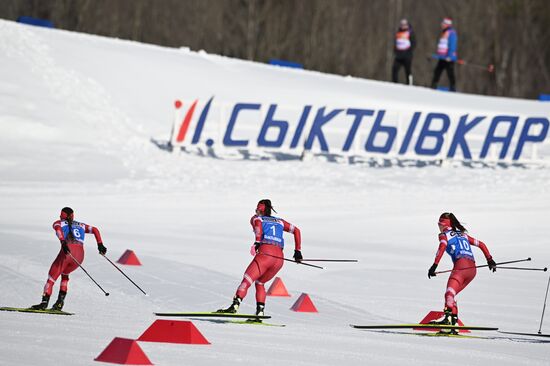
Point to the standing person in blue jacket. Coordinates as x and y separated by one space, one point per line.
446 54
403 51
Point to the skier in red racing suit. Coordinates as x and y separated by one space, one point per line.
454 240
268 259
71 236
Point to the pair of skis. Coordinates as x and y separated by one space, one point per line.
442 327
60 312
233 317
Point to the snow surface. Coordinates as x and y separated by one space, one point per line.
76 116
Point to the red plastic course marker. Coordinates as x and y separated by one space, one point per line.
123 351
304 304
434 315
277 288
173 331
129 258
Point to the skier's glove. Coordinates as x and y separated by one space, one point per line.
431 271
101 248
492 264
65 247
298 256
257 246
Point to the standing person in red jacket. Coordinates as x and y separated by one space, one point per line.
454 240
405 43
71 236
268 259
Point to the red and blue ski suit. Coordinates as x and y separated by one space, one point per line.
268 260
457 245
63 263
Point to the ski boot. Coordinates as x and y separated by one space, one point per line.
259 312
43 304
448 319
60 301
260 306
232 309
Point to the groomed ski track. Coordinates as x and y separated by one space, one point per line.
75 131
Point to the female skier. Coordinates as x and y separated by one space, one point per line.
268 259
71 235
454 240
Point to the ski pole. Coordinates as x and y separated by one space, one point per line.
291 260
330 260
489 68
129 279
485 265
82 268
525 269
544 307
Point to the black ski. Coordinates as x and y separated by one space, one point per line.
526 334
254 322
215 315
449 335
28 310
428 326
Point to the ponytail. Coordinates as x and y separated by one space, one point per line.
455 224
70 235
69 213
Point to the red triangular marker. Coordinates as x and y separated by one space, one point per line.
304 304
129 258
434 315
123 351
173 331
277 288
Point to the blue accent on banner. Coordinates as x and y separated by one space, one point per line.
300 128
283 63
359 114
459 138
35 21
410 131
227 139
272 123
526 137
200 123
391 132
437 134
316 129
506 140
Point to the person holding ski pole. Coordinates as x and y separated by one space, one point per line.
403 51
71 236
268 255
454 240
446 54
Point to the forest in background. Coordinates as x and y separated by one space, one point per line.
346 37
